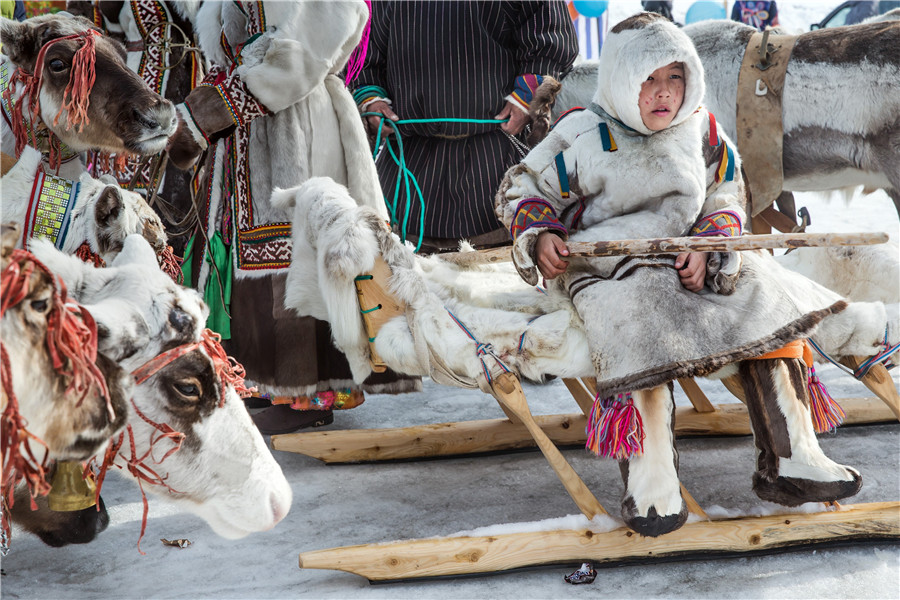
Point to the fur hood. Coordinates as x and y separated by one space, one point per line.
634 49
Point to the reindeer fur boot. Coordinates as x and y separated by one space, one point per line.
652 504
791 467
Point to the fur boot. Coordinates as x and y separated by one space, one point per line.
790 466
652 504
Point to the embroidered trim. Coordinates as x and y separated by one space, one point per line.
50 208
147 15
240 103
534 212
720 223
725 172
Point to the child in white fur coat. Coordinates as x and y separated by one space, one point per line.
644 160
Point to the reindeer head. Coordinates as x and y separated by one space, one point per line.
58 56
222 469
113 213
73 424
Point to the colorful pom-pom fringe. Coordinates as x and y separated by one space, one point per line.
615 429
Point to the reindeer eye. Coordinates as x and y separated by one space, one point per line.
186 389
57 66
40 306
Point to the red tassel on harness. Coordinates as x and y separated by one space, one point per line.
615 428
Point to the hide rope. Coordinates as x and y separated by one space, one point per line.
76 96
71 342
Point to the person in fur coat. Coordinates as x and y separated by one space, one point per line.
273 112
644 160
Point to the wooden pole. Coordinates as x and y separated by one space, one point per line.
685 244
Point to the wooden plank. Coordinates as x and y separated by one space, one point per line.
508 391
450 556
879 381
497 435
698 399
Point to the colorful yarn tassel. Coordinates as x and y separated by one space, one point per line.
827 414
615 428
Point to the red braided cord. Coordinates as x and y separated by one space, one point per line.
85 254
81 82
227 369
71 341
170 265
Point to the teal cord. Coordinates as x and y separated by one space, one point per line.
404 173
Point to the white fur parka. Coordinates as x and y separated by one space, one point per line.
643 327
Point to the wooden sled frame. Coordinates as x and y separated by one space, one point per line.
461 555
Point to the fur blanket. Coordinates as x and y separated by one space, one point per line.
535 333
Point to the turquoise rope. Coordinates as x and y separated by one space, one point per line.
404 173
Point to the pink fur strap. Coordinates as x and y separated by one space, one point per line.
535 212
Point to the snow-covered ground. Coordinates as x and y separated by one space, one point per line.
353 504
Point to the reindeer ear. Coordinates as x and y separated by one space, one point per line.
18 42
108 206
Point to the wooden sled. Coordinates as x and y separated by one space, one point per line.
493 435
463 555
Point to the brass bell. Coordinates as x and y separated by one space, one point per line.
69 491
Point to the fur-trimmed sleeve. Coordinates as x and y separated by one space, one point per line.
528 208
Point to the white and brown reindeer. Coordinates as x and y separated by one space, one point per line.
536 334
840 106
88 217
61 399
194 441
68 89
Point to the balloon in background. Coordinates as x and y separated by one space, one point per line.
590 8
704 11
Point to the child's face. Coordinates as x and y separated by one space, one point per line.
661 96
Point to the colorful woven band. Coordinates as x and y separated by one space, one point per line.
722 223
50 208
535 212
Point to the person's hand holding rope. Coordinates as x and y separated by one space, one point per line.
518 119
373 121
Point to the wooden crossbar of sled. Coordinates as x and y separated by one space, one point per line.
460 555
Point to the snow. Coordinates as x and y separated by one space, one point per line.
341 505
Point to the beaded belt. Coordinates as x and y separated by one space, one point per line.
50 208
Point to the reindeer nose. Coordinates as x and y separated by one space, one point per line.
147 122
